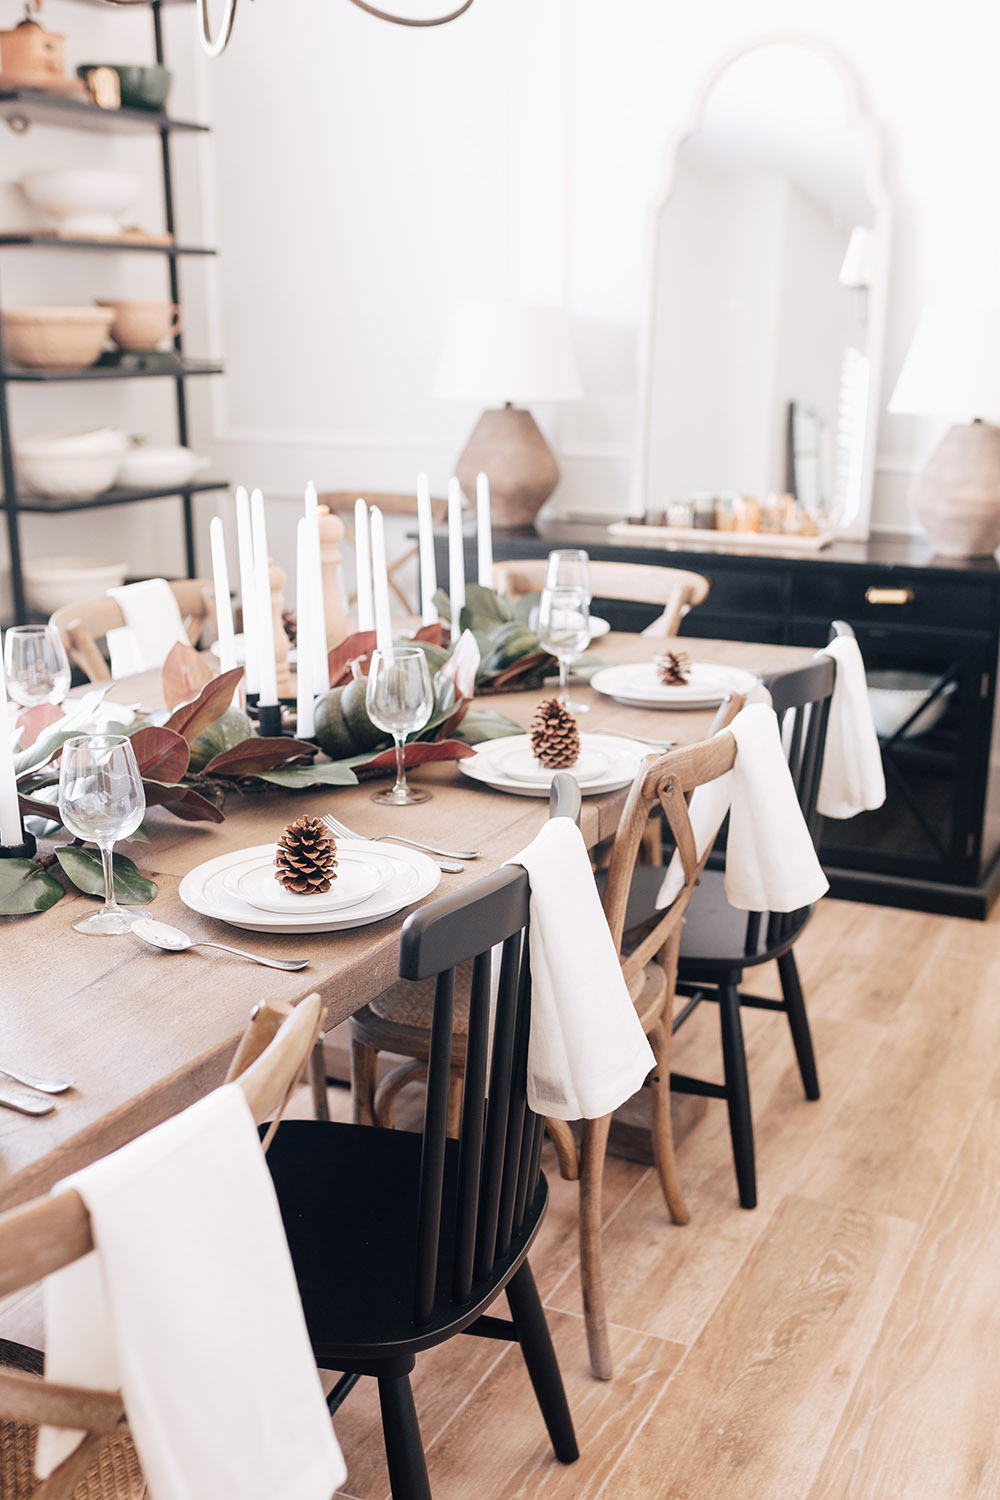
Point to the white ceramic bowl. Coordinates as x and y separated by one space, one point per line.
51 582
155 468
894 696
70 465
58 338
83 201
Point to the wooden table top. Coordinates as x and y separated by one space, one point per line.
144 1033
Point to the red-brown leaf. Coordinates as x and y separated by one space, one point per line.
29 807
257 754
420 753
360 644
183 801
185 673
432 634
33 720
162 754
211 703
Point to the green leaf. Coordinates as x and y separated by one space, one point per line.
442 603
486 606
328 773
85 869
141 836
25 888
486 724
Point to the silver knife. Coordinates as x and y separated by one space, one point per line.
26 1101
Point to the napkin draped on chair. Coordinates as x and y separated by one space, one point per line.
771 864
153 624
189 1306
852 779
587 1052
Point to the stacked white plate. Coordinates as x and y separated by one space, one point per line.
638 683
606 762
372 883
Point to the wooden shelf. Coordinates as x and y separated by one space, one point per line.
46 107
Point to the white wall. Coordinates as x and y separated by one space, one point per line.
363 176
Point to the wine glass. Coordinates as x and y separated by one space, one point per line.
36 665
569 568
564 631
399 699
101 798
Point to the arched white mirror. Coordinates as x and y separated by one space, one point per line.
761 345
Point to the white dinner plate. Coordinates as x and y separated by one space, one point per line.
358 876
204 890
487 765
519 763
638 683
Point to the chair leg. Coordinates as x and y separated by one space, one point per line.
734 1063
593 1147
795 1008
568 1157
363 1062
662 1126
404 1450
542 1365
317 1082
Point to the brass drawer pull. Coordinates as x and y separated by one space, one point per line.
889 596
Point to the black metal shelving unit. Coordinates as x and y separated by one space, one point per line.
21 107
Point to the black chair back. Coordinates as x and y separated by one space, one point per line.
489 1180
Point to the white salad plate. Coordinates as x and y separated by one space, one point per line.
638 683
358 876
519 763
204 889
489 765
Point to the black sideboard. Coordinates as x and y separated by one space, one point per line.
935 845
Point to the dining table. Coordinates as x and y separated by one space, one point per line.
144 1033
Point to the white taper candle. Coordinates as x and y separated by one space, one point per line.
248 597
11 832
484 532
317 623
428 567
223 603
305 608
380 584
456 556
362 558
268 687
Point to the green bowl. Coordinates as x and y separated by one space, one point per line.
142 86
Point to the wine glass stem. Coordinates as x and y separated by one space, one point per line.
110 904
564 680
400 764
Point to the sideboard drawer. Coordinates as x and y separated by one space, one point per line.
892 599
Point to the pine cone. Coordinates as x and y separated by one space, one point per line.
555 738
306 858
674 668
290 624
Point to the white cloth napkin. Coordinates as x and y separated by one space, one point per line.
771 864
852 778
189 1306
587 1052
153 616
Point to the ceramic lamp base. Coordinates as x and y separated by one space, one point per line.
957 495
24 850
508 447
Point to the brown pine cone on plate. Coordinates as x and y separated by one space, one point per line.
674 668
305 860
555 738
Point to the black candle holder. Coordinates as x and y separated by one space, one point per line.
251 702
26 850
269 720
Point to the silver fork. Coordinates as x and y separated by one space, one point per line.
335 826
643 739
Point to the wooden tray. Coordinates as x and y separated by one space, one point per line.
720 541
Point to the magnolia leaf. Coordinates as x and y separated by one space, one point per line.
140 836
463 664
360 644
486 606
185 672
258 754
432 635
183 801
327 773
86 870
418 753
25 888
526 608
190 719
162 754
487 724
442 603
76 719
523 667
31 807
31 721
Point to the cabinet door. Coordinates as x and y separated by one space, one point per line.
930 824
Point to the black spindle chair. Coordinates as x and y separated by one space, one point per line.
402 1239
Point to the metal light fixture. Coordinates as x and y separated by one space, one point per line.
216 45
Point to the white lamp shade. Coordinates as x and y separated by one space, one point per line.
858 268
952 368
500 351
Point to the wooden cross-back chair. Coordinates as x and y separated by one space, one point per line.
400 1020
402 1239
341 503
676 589
83 624
43 1236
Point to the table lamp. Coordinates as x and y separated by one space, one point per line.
509 354
952 369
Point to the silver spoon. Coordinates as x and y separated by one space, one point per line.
43 1085
172 940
